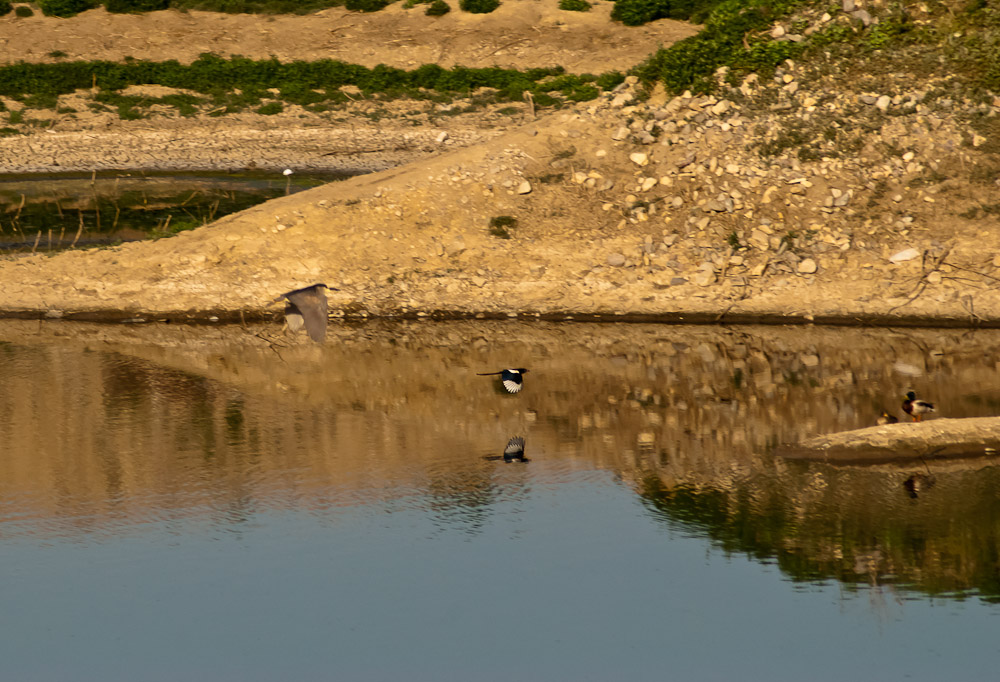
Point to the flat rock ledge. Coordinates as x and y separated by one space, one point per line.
937 438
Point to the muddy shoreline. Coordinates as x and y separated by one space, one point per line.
216 317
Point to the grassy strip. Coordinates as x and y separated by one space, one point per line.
299 82
236 84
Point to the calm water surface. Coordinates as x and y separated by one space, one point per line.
51 212
229 504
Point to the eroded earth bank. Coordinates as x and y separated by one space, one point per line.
818 195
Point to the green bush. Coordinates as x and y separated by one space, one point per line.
437 8
23 11
135 6
64 8
5 7
365 5
256 6
574 5
638 12
271 108
691 63
478 6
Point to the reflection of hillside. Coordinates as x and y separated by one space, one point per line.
854 525
107 426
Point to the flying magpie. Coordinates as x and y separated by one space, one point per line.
512 379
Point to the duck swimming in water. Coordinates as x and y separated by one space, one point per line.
916 408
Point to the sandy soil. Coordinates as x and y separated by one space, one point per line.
519 34
416 239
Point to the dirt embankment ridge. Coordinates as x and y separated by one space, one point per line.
663 207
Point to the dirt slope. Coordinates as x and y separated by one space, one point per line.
519 34
878 208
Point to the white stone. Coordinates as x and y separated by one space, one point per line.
807 266
904 255
524 187
639 158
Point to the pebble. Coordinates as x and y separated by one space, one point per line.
639 158
904 255
616 260
807 266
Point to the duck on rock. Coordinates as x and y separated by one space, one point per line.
916 408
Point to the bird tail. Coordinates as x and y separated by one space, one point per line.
487 374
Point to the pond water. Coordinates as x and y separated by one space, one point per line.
52 211
226 503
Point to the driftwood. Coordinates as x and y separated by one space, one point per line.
972 437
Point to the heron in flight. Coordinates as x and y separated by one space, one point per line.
306 307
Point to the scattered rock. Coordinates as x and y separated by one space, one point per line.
904 255
616 260
807 266
704 278
639 158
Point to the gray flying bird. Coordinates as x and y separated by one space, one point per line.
306 307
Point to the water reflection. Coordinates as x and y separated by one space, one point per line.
106 429
57 211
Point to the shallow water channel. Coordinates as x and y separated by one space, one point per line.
52 211
226 503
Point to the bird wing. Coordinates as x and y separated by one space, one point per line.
512 385
512 381
515 446
312 304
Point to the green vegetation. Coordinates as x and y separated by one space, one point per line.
366 5
734 36
499 225
65 8
478 6
946 37
637 12
22 11
271 108
126 6
437 8
231 85
5 7
574 5
256 6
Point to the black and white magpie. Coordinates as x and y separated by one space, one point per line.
514 452
512 379
306 307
